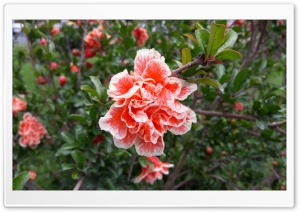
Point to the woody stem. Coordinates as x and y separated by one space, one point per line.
200 60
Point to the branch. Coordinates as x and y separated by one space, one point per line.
181 184
236 187
226 115
240 91
268 181
200 60
131 167
79 183
273 125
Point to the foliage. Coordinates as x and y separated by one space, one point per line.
238 63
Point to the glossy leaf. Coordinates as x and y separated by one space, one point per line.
239 79
68 137
178 63
202 38
216 38
209 81
186 56
79 158
20 180
190 36
66 166
77 117
228 54
97 84
262 123
197 25
230 38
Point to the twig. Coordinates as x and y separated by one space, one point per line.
181 184
273 125
279 130
276 124
131 167
236 187
268 181
240 91
79 183
200 60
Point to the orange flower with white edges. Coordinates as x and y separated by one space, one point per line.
31 130
150 175
18 105
146 105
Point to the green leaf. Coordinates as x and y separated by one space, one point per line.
35 34
201 72
197 25
66 149
51 47
25 30
79 118
29 78
89 90
209 81
262 123
178 63
202 38
94 114
239 79
79 158
76 175
224 79
66 166
228 54
190 36
144 162
20 180
224 22
97 84
52 22
119 153
230 39
186 56
216 38
68 137
220 70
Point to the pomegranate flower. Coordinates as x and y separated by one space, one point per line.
146 105
238 106
141 35
93 37
31 131
19 105
149 174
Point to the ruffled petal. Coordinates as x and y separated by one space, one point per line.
145 172
187 124
149 149
129 121
143 57
157 70
177 106
112 122
174 86
122 86
126 142
186 88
